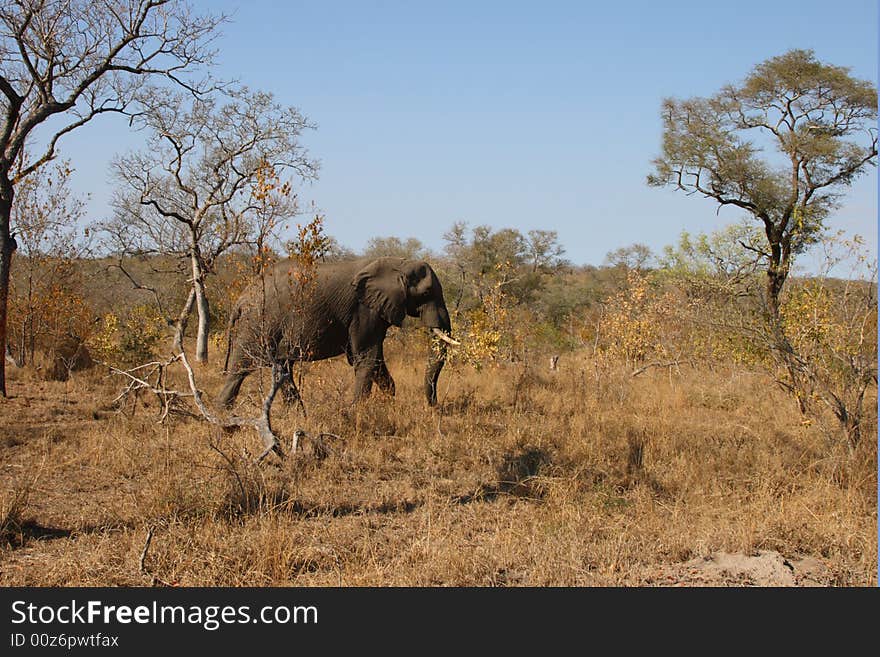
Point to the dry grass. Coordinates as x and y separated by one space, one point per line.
520 477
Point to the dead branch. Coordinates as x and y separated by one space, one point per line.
143 558
262 424
230 466
139 380
137 285
152 377
320 446
142 563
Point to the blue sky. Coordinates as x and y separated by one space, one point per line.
521 114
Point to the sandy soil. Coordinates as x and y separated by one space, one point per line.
765 568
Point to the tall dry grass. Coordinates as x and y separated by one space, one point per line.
584 476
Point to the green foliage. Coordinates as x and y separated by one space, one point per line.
819 120
807 110
727 252
482 258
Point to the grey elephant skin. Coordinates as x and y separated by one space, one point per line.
295 314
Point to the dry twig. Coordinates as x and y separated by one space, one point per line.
142 563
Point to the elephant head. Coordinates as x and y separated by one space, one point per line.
395 288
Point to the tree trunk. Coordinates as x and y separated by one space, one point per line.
775 281
201 301
776 275
7 248
182 321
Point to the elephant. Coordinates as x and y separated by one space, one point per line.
309 314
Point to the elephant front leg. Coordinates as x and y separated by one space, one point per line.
363 382
436 360
381 375
365 365
365 343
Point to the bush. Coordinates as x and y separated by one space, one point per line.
132 339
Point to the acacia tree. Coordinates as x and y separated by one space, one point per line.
64 62
821 122
194 193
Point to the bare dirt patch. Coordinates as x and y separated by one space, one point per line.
764 568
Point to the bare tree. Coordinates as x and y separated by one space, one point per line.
306 250
194 192
73 60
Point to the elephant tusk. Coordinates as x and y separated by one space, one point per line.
443 336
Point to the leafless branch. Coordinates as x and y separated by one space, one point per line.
139 286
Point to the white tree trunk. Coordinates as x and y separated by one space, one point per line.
201 308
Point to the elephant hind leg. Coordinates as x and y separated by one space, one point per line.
363 381
231 388
289 391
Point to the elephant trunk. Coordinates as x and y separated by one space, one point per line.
436 361
436 318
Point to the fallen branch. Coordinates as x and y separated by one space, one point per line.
141 382
262 424
321 448
151 377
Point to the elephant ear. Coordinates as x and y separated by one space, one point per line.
382 286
